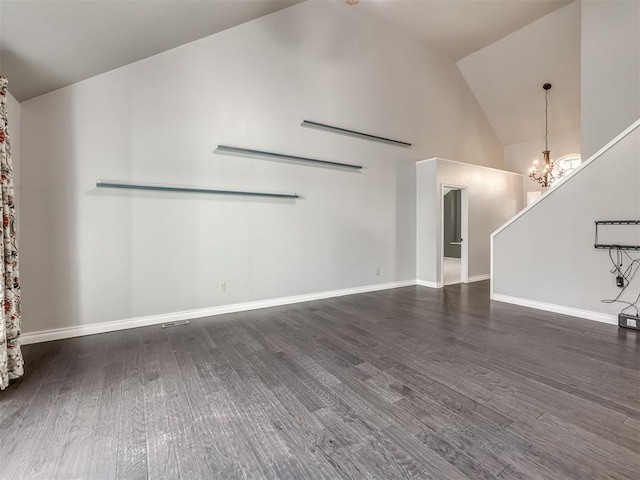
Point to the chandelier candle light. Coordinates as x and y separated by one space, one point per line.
550 171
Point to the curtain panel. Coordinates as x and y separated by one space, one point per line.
11 362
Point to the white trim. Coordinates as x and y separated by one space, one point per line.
468 165
584 164
491 266
427 160
550 307
82 330
475 278
479 278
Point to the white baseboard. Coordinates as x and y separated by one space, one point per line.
475 278
550 307
479 278
81 330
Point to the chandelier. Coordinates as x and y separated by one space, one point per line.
550 171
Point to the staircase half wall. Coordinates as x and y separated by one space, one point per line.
545 257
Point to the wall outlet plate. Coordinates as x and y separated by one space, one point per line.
628 321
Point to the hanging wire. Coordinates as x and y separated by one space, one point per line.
546 119
627 274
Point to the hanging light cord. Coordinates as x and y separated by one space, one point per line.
546 119
551 171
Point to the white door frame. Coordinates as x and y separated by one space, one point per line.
464 231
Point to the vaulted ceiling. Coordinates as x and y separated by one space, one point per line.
48 44
458 27
507 78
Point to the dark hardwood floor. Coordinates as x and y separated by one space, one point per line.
406 383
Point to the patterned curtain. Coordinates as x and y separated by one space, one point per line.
11 363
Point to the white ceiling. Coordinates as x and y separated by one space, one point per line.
507 77
47 44
458 27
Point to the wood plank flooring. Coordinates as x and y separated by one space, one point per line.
408 383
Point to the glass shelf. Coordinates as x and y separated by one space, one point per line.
284 156
353 133
187 189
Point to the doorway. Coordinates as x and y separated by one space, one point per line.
455 226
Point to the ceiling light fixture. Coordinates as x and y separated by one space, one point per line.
352 2
550 171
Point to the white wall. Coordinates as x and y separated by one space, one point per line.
546 256
610 70
13 114
520 156
92 255
494 197
427 193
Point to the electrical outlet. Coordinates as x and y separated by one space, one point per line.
377 271
223 286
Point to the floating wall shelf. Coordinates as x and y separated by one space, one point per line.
185 188
353 133
295 158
